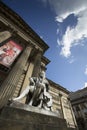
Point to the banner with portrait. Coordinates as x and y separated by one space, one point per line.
9 52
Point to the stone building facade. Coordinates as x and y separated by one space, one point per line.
79 104
29 60
61 103
22 56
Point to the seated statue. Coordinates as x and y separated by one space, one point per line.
38 92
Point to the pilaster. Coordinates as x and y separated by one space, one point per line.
37 63
8 87
26 81
60 96
73 116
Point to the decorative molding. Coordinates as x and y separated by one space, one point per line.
4 35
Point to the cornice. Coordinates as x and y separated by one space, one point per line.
45 60
18 21
79 100
57 86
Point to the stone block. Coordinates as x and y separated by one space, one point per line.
23 117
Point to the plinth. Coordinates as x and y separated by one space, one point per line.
23 117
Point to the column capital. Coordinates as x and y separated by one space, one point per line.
60 95
29 44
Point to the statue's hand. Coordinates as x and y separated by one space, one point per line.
14 99
42 85
10 101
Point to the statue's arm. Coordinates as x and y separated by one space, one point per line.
23 94
32 80
50 102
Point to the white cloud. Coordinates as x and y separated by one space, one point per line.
41 37
64 8
73 36
85 85
71 59
85 70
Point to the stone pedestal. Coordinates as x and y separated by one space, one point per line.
23 117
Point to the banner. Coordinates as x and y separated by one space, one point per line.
9 52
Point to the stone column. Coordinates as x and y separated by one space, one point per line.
72 113
37 64
82 112
26 81
60 96
8 87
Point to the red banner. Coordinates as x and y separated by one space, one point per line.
9 52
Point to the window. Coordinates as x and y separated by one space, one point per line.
77 108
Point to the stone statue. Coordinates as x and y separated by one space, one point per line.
38 92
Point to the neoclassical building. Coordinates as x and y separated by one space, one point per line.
22 56
79 104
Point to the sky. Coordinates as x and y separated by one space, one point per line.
62 25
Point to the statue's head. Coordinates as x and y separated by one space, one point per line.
42 74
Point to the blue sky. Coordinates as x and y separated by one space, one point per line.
62 25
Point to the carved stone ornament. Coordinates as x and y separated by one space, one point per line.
4 35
